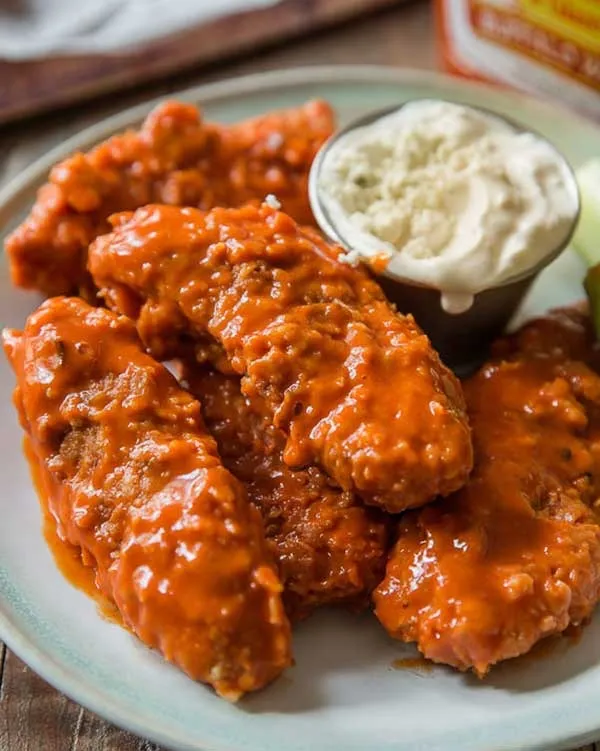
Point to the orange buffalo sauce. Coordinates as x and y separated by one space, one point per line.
175 158
417 664
67 557
357 389
134 480
546 47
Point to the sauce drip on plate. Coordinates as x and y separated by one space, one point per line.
67 557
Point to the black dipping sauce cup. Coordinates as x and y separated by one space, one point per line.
462 340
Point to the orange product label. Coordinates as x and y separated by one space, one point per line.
447 50
576 20
550 48
535 31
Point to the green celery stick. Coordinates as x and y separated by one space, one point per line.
592 288
587 237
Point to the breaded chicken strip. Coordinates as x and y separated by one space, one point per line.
330 548
515 555
357 389
562 333
175 158
136 483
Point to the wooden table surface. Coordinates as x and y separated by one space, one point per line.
33 716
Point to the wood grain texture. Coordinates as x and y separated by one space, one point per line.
33 716
32 86
2 663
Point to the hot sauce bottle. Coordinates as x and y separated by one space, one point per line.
546 47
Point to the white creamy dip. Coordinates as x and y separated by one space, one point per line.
455 198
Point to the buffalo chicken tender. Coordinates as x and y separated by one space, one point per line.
135 481
331 550
515 555
175 158
356 388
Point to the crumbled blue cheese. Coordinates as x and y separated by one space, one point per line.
455 197
273 202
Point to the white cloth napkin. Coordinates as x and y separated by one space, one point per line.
32 29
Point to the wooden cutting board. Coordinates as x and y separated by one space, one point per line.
33 86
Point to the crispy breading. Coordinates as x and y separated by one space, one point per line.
331 550
175 158
514 556
357 388
135 481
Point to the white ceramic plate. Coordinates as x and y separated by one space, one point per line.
344 692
